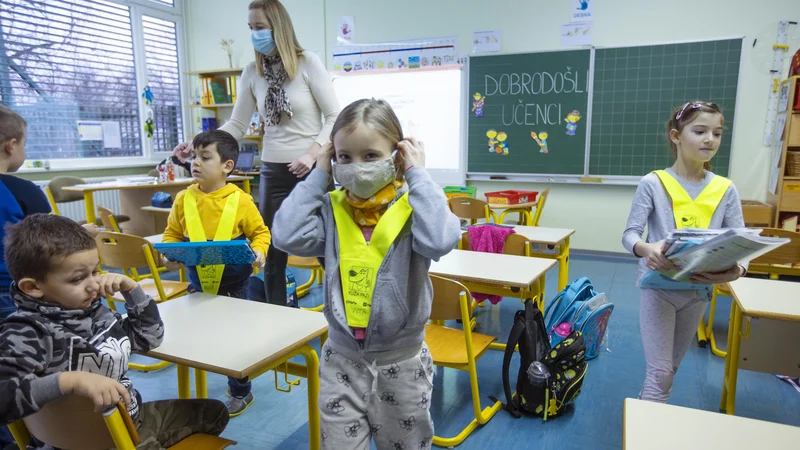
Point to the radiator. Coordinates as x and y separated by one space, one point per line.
77 210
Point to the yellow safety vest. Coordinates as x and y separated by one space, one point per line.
693 213
210 275
358 261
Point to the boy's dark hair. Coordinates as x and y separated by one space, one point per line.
33 244
227 146
12 125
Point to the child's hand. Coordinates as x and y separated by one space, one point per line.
111 283
653 255
172 266
103 391
324 158
93 229
717 278
412 152
260 259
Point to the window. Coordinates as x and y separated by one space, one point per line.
65 62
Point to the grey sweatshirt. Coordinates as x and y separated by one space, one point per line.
652 206
401 302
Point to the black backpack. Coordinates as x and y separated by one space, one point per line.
566 363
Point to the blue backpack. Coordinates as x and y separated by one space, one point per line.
585 310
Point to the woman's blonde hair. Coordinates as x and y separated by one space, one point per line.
377 114
286 42
684 115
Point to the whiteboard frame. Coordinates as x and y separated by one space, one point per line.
613 180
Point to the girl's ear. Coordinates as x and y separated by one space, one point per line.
674 136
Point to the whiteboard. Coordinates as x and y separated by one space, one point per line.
429 105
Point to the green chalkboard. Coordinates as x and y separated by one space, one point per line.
525 93
636 90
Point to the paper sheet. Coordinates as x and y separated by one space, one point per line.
112 138
486 41
577 33
90 130
347 30
583 10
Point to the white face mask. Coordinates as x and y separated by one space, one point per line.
365 179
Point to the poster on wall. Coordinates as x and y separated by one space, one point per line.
486 41
347 30
577 34
583 10
411 54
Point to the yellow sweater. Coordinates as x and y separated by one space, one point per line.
248 220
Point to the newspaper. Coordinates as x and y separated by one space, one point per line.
710 251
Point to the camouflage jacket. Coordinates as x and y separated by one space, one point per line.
41 340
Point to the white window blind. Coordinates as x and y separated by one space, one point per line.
65 61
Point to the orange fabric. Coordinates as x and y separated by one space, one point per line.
367 213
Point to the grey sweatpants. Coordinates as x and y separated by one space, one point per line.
359 401
668 321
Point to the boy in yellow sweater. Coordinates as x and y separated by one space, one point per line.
213 210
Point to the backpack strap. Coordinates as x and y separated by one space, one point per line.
513 339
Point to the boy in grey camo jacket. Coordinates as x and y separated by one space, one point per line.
63 340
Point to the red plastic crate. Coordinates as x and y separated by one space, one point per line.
511 197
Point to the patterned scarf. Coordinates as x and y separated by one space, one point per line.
367 213
276 101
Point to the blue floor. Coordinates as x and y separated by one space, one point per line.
279 420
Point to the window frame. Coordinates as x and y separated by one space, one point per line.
149 157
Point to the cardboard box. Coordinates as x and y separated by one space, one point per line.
757 213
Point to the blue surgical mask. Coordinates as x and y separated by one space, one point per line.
262 41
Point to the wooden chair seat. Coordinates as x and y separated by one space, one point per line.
172 289
203 442
447 345
303 262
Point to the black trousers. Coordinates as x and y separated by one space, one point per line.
277 183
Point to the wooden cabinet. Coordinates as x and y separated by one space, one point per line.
786 199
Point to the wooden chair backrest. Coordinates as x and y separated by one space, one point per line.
540 206
57 184
515 244
468 208
785 254
447 298
122 251
107 217
71 422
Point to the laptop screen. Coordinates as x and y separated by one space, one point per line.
245 162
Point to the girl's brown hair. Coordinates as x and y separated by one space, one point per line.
377 114
682 116
286 42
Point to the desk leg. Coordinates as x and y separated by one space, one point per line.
312 366
88 199
527 214
563 265
246 186
184 382
731 373
200 386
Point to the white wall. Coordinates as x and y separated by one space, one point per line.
598 213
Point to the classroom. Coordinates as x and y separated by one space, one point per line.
213 175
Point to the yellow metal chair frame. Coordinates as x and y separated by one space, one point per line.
525 216
773 263
451 301
53 204
70 422
317 273
108 247
472 209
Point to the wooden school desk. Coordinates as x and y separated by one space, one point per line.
558 239
764 332
160 216
507 275
134 195
240 338
656 426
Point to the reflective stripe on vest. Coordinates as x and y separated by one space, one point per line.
358 261
693 213
210 275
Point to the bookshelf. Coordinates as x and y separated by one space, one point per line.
786 199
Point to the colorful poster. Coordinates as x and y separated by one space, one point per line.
412 54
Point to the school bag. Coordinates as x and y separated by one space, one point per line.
549 379
579 307
256 290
